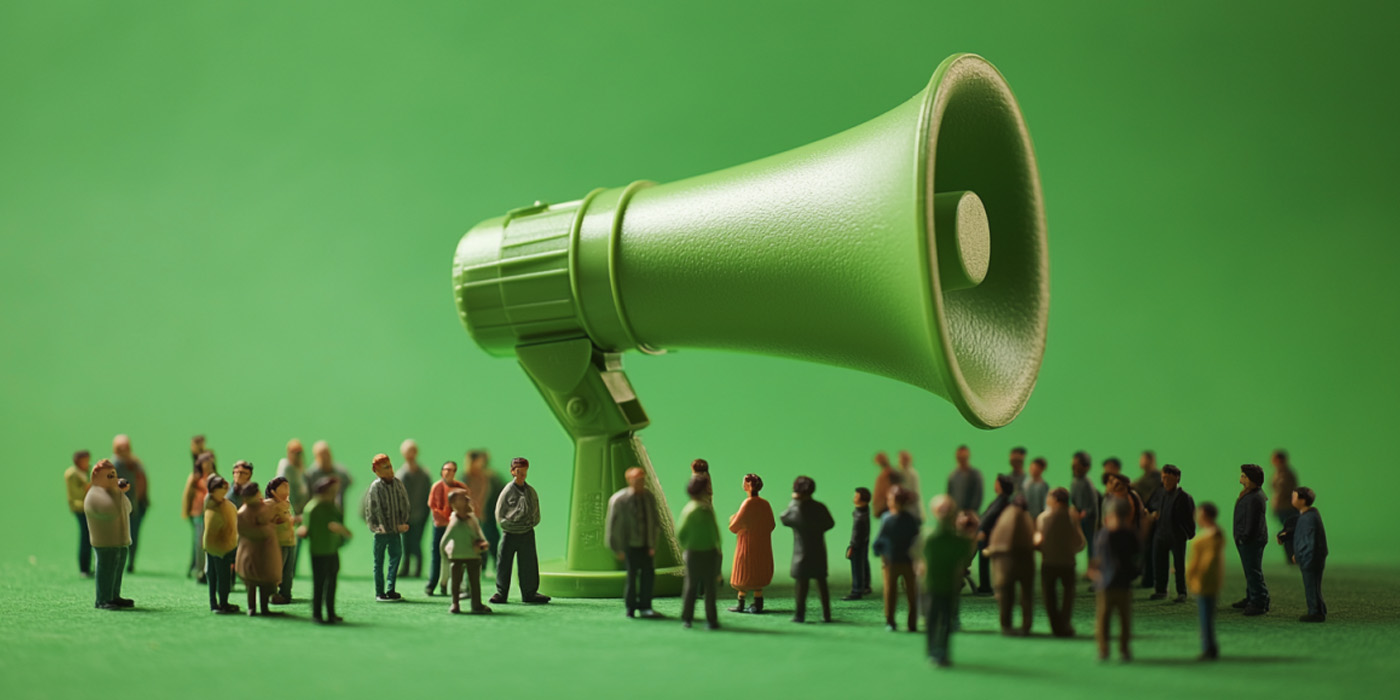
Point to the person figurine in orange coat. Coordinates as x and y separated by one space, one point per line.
753 556
192 509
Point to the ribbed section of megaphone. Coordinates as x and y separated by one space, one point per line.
829 253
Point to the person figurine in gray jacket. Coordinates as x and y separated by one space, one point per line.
809 520
1251 537
518 512
1310 552
632 531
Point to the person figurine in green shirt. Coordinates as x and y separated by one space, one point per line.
278 494
220 543
108 511
947 555
75 479
324 530
632 529
698 535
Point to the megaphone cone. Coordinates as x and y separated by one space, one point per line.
912 246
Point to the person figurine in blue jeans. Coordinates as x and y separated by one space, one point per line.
386 513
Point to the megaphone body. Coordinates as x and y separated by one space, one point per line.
912 246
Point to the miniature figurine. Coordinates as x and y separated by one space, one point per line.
418 483
969 525
386 511
1017 461
1084 497
1117 486
441 509
947 554
129 467
242 476
485 486
1148 488
698 535
1110 466
1205 574
324 468
192 509
220 543
809 520
858 551
291 469
324 526
1251 538
1113 570
753 553
75 480
518 512
1284 483
909 480
1011 547
632 529
701 468
108 511
1310 552
278 501
1035 488
1003 487
894 545
462 545
259 558
1174 525
1059 538
965 483
197 448
883 481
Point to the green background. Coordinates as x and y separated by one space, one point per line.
238 219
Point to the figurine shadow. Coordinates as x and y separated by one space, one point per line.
1019 671
1229 660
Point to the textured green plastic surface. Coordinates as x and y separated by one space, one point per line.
911 246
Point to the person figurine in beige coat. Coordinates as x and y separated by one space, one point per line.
259 558
108 512
1011 549
1059 538
462 546
220 543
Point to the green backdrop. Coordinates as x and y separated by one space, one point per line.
238 219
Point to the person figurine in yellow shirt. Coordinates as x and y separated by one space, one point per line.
279 501
76 480
1205 575
220 544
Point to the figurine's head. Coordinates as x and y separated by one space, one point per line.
1112 465
1280 459
218 488
1251 476
1038 466
1303 497
251 495
242 472
697 488
1017 458
294 452
896 498
637 478
1058 499
803 487
279 489
461 502
1148 460
409 450
204 464
700 466
968 522
197 444
1117 484
104 474
943 509
1079 464
383 467
476 460
906 460
862 497
1019 501
753 483
882 460
1206 513
449 471
1171 476
82 459
121 447
1116 513
962 456
519 468
322 452
1004 485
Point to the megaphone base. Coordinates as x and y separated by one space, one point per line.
557 580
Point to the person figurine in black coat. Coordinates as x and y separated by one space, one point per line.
809 520
1251 537
1310 552
1004 488
1175 525
858 551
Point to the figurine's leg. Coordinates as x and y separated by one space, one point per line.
1049 598
84 546
136 516
1027 602
1067 600
529 568
757 606
381 542
395 556
911 596
123 561
318 587
1205 608
225 577
435 568
1101 633
459 566
630 584
474 578
646 580
332 578
889 592
711 591
689 589
503 565
1317 591
800 615
1125 615
825 594
106 559
865 570
264 596
252 598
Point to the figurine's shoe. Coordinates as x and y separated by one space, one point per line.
428 590
647 613
108 606
337 618
799 619
482 610
1157 596
1127 657
394 595
1241 605
498 599
867 591
827 619
852 596
756 608
321 620
740 608
685 624
712 625
889 627
84 574
537 599
444 590
1313 618
631 613
1252 611
124 602
229 610
1208 657
252 612
279 600
455 609
384 598
201 579
1180 598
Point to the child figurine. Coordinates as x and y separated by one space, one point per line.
75 479
418 483
1310 552
753 553
701 468
441 508
462 545
258 560
1205 575
386 511
220 543
1059 539
1251 538
632 530
698 535
108 511
947 554
809 520
192 509
898 530
518 512
1113 569
279 494
858 550
1011 547
324 529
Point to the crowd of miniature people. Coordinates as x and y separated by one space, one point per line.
1136 531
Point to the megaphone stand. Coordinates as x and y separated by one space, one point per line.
594 402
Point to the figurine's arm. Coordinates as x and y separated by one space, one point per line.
792 517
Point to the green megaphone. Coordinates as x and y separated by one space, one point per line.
912 246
